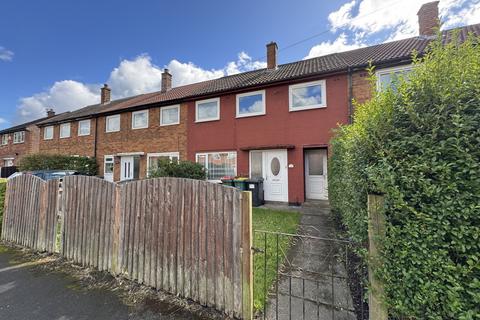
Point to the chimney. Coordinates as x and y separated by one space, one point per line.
272 55
166 80
428 21
50 113
105 94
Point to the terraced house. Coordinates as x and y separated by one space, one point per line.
275 123
18 141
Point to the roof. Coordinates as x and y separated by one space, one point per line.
385 53
21 127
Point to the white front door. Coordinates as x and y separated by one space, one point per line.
108 166
316 174
127 164
275 174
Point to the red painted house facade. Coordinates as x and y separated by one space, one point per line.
284 145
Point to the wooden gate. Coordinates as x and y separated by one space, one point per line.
187 237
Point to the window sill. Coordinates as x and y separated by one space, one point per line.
207 120
239 116
290 109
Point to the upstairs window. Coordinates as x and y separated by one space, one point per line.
112 123
310 95
251 104
169 115
207 110
19 137
218 164
84 128
65 130
48 133
140 119
389 78
4 139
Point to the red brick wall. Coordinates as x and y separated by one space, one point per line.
277 126
154 139
361 87
19 150
75 145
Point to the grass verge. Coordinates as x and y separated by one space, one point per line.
265 263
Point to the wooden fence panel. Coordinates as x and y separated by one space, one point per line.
30 212
187 237
89 205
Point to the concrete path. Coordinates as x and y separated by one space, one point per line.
314 277
26 293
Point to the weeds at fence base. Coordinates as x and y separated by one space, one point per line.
130 292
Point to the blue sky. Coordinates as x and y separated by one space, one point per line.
57 53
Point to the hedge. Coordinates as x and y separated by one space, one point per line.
179 169
419 145
39 161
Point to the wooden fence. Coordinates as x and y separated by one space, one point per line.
186 237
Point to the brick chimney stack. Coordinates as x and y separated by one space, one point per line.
50 113
428 20
272 55
166 80
105 94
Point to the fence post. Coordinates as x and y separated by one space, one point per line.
116 252
247 261
59 235
376 235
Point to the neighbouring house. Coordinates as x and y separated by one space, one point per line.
273 123
18 141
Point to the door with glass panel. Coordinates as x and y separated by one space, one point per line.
316 174
127 164
271 165
108 168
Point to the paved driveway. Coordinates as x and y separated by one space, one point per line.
27 293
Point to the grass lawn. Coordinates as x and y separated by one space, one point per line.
275 221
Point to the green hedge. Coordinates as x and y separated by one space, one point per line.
179 169
420 146
39 161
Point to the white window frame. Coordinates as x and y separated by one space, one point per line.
216 152
390 70
133 119
22 135
206 101
80 125
105 162
111 117
161 154
252 114
177 106
45 130
69 130
323 85
5 139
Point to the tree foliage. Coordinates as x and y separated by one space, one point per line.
39 161
179 169
420 145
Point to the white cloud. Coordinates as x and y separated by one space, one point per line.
3 121
367 18
62 96
5 54
338 45
131 77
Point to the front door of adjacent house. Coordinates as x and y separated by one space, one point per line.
127 165
316 174
108 166
272 166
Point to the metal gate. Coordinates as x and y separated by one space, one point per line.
306 277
